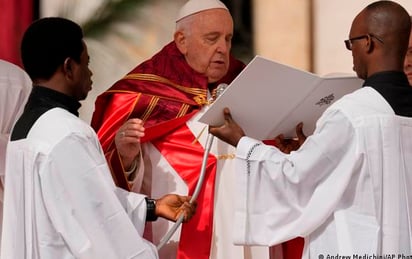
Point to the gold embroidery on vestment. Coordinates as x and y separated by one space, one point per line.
200 94
199 135
226 156
150 108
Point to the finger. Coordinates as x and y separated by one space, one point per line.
280 138
227 115
186 217
299 133
135 126
188 207
191 207
131 130
194 204
129 136
299 129
120 134
135 121
133 134
279 141
132 124
134 130
186 198
186 211
190 212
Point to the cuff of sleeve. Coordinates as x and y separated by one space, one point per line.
244 146
134 166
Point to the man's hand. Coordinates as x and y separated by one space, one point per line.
127 141
230 132
171 206
289 145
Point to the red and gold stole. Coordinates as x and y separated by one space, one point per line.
161 113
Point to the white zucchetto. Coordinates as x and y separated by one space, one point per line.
195 6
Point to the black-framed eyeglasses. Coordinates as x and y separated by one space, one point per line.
348 43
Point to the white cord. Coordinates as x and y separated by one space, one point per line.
199 185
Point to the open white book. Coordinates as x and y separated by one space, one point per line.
268 98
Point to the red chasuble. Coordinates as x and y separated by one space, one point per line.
165 92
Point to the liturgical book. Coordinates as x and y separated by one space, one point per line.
268 98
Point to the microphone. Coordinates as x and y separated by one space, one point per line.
218 91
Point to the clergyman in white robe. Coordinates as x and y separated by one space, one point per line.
347 190
60 199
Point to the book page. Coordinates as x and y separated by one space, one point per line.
327 91
268 98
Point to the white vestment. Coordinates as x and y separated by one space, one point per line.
15 87
60 199
162 178
347 190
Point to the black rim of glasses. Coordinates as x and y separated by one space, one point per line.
348 43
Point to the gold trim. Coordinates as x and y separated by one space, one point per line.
150 108
226 156
199 135
201 100
200 94
183 110
156 78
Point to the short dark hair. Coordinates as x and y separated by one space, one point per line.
47 43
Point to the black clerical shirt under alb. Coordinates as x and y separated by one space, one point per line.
41 100
395 88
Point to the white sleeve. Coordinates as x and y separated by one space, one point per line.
84 206
15 87
135 206
3 146
137 180
282 196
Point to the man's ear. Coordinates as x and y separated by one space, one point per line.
180 40
68 67
370 44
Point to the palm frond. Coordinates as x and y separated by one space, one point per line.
109 12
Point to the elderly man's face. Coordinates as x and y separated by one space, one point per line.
207 44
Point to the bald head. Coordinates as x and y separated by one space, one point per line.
392 23
385 26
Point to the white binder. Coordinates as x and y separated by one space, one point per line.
268 98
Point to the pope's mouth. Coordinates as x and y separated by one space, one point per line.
218 64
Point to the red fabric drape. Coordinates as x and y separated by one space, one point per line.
180 151
15 17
